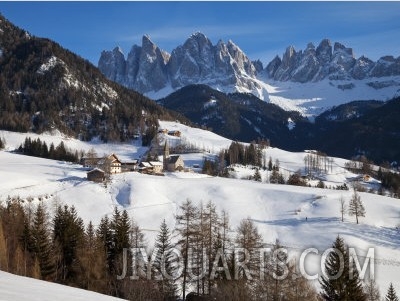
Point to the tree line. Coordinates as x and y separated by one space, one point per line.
114 257
63 249
38 148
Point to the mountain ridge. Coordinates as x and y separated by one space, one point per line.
367 127
196 61
225 67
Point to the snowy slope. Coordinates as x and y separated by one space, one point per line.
125 151
279 211
18 288
201 139
313 98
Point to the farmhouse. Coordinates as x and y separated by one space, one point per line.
109 164
112 164
96 175
145 167
151 167
129 166
157 167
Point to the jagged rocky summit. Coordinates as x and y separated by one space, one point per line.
226 67
336 63
147 68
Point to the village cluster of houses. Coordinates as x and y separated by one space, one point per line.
102 167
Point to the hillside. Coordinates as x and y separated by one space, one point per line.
46 87
279 211
237 116
20 288
350 130
360 127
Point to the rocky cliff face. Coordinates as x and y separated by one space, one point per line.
336 63
147 68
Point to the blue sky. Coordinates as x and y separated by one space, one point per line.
261 29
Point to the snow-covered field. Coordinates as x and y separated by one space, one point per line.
311 99
300 217
18 288
126 151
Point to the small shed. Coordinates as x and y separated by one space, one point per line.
96 175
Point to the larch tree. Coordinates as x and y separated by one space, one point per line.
187 228
356 207
3 250
211 226
372 290
343 208
249 239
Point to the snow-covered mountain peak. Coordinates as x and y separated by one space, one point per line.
118 49
225 67
147 42
148 69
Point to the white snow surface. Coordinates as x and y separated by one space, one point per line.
18 288
279 211
124 151
311 99
202 139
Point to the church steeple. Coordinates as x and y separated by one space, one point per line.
166 155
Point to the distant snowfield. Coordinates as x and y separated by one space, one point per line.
300 217
311 99
18 288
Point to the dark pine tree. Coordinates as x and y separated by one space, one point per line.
257 175
68 234
42 244
391 294
165 262
105 237
338 284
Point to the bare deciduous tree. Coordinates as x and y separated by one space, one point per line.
356 207
342 202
